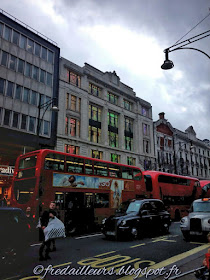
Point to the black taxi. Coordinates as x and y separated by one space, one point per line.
14 235
141 216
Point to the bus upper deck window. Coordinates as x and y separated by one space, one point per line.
114 171
27 162
54 161
100 168
127 173
74 164
88 166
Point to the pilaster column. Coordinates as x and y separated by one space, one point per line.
84 118
104 127
121 129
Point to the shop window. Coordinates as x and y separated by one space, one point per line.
96 154
127 105
10 88
113 139
24 122
73 103
94 134
32 124
7 116
71 149
73 78
131 161
115 158
21 65
94 113
95 90
112 98
15 38
112 119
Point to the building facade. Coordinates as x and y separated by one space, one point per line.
100 117
29 78
181 152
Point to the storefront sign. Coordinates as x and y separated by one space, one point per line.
4 169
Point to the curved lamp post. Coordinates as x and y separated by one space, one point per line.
168 64
51 102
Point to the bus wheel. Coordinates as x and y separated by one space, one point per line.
177 215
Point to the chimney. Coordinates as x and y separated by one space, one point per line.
162 115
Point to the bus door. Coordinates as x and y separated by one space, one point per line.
89 211
60 204
79 208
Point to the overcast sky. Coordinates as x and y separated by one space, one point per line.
129 37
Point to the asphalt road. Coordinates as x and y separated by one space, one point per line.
94 257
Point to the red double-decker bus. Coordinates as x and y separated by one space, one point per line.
205 185
85 188
176 191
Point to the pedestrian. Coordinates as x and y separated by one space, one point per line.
44 220
29 215
56 214
206 261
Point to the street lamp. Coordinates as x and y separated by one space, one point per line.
168 64
45 106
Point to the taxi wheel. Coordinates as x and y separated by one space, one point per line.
165 228
186 236
134 233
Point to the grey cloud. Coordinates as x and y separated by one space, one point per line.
166 21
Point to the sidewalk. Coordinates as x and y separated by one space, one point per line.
187 264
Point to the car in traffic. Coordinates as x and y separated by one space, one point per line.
141 216
14 235
197 223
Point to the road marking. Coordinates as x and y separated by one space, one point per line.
171 260
162 238
87 236
32 245
11 277
199 243
137 245
105 254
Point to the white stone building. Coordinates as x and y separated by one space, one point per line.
101 117
180 152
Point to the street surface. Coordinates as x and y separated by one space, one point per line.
94 257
